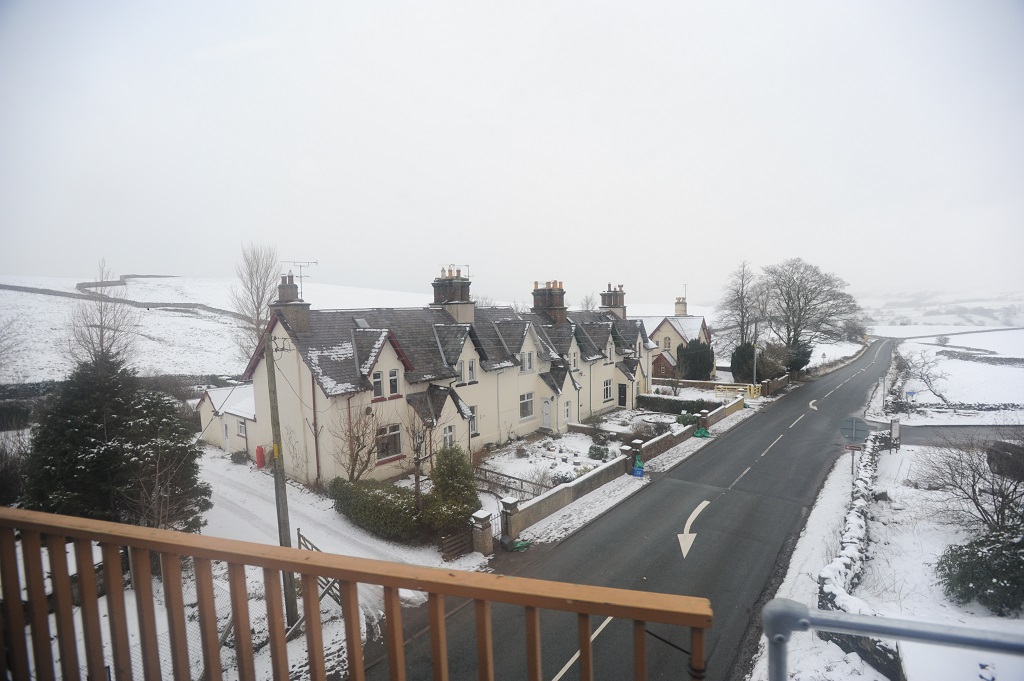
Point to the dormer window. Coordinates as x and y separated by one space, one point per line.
458 369
378 384
393 382
525 362
472 370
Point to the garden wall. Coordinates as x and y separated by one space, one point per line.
725 410
539 508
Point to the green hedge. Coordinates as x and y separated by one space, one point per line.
379 508
670 405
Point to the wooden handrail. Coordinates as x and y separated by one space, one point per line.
483 588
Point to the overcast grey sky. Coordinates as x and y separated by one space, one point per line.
652 144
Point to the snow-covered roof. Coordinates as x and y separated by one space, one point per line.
237 400
689 327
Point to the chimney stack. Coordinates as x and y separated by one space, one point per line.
451 292
550 301
614 300
290 306
681 306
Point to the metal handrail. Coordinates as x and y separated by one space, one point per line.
781 617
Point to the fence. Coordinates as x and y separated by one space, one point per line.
33 651
509 484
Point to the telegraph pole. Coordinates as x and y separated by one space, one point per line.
284 531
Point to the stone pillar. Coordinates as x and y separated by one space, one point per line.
627 452
509 507
702 420
483 538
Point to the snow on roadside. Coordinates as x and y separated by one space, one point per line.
560 525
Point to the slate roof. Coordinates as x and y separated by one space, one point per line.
689 327
429 404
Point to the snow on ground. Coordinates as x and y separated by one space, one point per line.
824 353
967 383
577 514
899 582
917 330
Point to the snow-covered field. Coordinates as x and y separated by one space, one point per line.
975 389
906 540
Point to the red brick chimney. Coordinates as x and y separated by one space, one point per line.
550 300
290 306
614 300
451 292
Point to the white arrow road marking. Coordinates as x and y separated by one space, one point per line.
811 405
686 538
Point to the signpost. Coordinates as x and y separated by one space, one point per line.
854 429
894 434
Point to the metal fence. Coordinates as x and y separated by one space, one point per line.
781 617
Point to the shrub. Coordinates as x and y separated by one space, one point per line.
669 405
562 477
942 340
695 360
443 518
379 508
598 452
14 414
239 456
452 478
687 419
989 569
742 364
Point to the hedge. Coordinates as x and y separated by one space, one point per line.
379 508
670 405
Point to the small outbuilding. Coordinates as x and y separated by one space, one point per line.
228 418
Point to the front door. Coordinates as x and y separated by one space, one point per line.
545 414
226 438
622 394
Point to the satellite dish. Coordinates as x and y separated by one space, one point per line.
369 410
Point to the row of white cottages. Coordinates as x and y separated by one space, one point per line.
364 392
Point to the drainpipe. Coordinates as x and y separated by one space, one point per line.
497 382
316 431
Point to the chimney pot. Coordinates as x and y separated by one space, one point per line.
458 272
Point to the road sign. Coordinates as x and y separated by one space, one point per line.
853 448
854 429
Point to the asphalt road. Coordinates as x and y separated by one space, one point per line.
747 492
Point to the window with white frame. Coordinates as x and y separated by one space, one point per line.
526 405
525 362
393 382
607 389
472 419
472 370
389 441
378 384
668 343
241 428
458 369
574 360
449 436
568 410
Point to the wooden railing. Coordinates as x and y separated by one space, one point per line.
31 592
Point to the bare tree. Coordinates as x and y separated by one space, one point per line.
252 295
805 304
588 302
738 308
972 494
357 440
102 324
924 367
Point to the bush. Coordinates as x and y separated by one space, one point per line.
989 569
669 405
379 508
239 456
561 477
14 414
687 419
742 364
598 452
443 518
695 360
942 340
453 480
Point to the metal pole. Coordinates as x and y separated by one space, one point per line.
284 532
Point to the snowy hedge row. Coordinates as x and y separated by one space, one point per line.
837 579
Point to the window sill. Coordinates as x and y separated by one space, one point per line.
523 419
379 399
396 396
473 382
609 400
389 459
474 434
